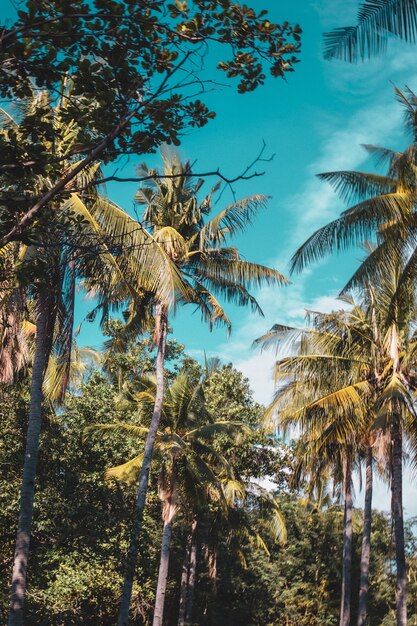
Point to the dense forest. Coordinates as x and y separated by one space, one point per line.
140 485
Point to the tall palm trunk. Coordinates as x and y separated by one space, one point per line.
184 578
366 541
347 544
163 574
397 516
161 334
29 468
191 581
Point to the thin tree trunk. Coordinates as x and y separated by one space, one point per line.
366 541
397 516
161 324
347 545
184 579
191 581
29 468
163 574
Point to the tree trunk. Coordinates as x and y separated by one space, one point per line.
184 578
29 468
366 542
397 516
161 324
347 544
163 574
191 581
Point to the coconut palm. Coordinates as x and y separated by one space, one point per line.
191 471
83 237
377 20
315 391
198 248
376 353
384 209
320 391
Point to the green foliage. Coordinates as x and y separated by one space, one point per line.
125 71
256 455
82 524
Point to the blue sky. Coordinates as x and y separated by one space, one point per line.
315 121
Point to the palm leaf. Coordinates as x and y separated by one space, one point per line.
127 472
232 220
376 19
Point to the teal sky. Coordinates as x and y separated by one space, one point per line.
314 121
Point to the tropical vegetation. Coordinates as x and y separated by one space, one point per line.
140 485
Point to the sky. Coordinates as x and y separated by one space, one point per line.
314 121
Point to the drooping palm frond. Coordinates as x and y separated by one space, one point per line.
376 20
127 472
130 429
210 308
232 220
408 100
353 186
381 156
355 225
219 426
54 384
343 400
213 266
128 252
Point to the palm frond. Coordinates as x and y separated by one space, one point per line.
130 429
354 226
353 186
376 20
232 220
127 472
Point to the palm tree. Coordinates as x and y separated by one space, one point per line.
83 238
377 20
191 470
197 247
384 208
318 390
377 352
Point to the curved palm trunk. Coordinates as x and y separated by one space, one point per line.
163 574
397 516
29 468
347 545
161 326
366 542
191 581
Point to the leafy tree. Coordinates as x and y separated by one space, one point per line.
132 70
